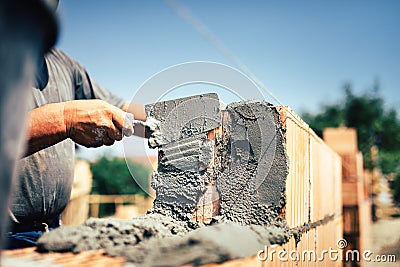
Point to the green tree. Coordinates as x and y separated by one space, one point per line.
375 125
395 185
112 176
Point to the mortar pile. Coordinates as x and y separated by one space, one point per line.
219 193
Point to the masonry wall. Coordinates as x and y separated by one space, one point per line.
313 194
356 199
313 190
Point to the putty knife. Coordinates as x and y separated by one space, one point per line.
183 125
185 117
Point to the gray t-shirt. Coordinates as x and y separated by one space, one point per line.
46 177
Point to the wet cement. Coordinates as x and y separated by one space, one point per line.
184 117
297 232
152 130
181 179
184 152
252 176
212 244
109 233
250 167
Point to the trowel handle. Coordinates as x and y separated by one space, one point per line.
128 128
130 124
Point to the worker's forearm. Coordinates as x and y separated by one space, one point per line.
91 123
136 109
46 127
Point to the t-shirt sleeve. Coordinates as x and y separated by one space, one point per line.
87 88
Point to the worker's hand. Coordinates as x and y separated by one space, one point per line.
93 123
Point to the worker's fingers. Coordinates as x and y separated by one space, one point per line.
118 135
114 133
96 138
108 141
124 121
95 144
118 117
89 140
99 137
109 135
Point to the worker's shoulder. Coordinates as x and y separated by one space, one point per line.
57 56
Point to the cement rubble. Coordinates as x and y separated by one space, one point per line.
109 233
249 169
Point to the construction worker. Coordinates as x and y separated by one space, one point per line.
66 107
28 28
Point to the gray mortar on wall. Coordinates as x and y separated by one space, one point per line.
177 192
250 194
250 199
184 153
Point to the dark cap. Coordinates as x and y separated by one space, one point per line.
53 4
34 17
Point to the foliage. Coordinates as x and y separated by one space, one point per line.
112 176
376 125
395 185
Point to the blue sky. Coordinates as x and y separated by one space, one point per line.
303 51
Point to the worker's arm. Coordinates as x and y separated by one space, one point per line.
91 123
139 113
136 109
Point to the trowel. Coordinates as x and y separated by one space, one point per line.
185 138
184 131
184 117
174 120
179 128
